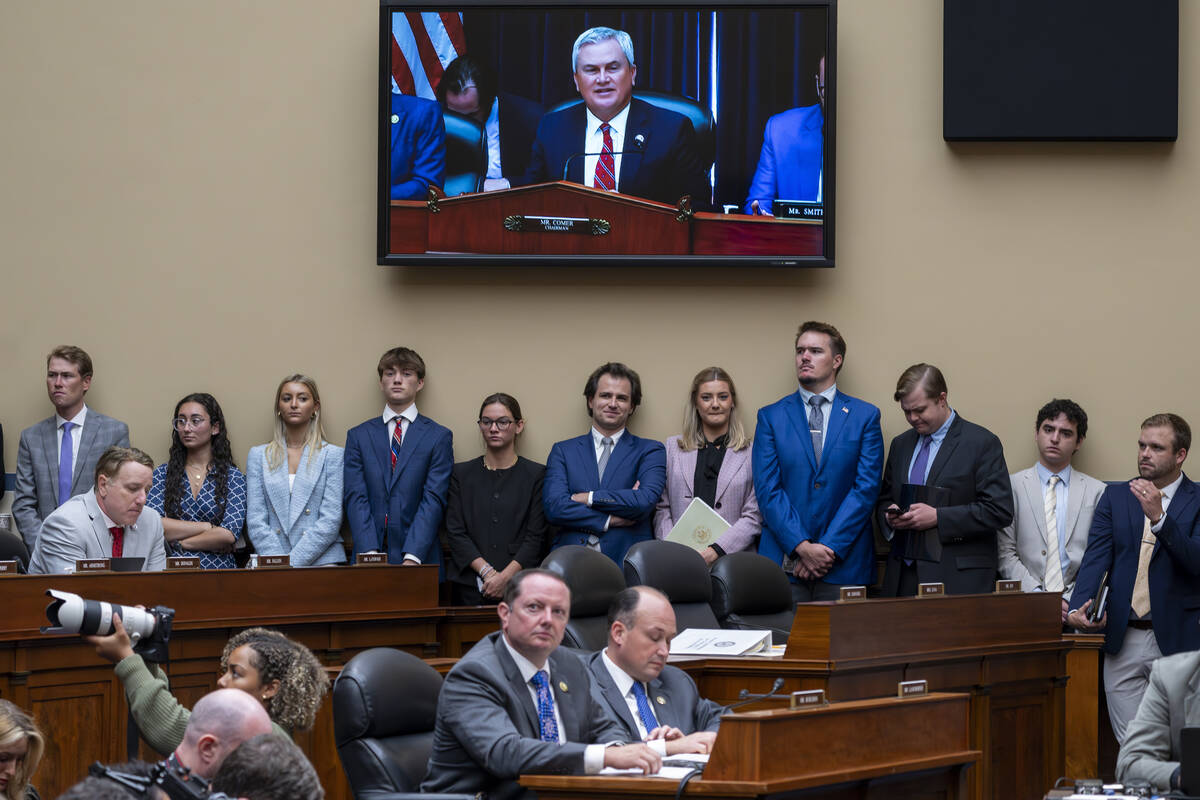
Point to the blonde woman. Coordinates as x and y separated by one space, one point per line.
294 482
21 748
711 460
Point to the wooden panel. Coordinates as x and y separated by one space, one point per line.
1082 705
737 234
79 723
1018 742
408 227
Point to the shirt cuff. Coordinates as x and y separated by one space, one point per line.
1161 520
593 759
607 523
412 558
659 746
589 500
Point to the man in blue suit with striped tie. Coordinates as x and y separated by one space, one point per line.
818 454
397 470
601 487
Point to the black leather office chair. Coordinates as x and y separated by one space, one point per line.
466 154
701 117
384 707
594 580
12 548
680 573
750 592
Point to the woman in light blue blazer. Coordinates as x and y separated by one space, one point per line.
295 482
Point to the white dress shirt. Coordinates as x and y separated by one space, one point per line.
593 145
625 686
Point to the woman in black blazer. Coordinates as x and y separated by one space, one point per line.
495 525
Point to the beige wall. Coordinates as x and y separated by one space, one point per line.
188 193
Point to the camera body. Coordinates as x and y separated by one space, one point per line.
169 776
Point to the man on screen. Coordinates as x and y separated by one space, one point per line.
791 164
418 147
611 140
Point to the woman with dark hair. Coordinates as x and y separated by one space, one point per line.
711 461
495 524
21 749
200 492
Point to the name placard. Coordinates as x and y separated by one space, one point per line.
912 688
849 593
1007 587
8 568
931 589
810 697
93 565
523 223
370 558
274 561
183 562
797 209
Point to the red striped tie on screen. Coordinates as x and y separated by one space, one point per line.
606 168
423 43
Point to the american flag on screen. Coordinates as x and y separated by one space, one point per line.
423 43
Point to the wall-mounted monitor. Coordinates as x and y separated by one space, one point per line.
683 133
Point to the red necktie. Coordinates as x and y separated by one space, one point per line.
118 534
397 440
606 168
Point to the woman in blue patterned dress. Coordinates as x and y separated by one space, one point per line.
200 492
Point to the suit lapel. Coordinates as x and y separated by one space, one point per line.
799 419
518 687
946 451
622 452
1032 488
49 436
1181 505
1074 502
87 440
1191 703
412 439
306 474
578 123
565 701
612 694
99 529
686 459
731 465
277 487
839 412
662 711
637 122
378 444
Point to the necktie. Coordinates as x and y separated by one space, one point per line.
1140 602
816 423
545 704
397 440
917 473
1053 579
118 543
645 713
606 167
605 451
65 462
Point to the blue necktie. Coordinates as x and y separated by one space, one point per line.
545 703
917 473
65 462
643 706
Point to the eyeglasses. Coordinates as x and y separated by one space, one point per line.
502 424
181 423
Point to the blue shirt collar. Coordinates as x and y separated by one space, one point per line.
828 394
1044 474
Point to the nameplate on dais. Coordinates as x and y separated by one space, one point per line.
93 565
849 593
931 589
1007 587
810 697
183 562
912 688
371 558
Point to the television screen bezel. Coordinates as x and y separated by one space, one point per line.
829 165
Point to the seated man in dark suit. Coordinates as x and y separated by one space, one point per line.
790 165
509 121
418 147
655 701
952 538
516 703
611 141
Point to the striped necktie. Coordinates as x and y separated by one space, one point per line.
606 167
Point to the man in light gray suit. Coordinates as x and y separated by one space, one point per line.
516 703
655 701
1045 560
57 457
110 520
1151 751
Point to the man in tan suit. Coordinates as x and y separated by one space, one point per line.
1045 560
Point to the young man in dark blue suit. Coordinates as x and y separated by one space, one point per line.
652 150
817 458
1146 535
397 470
601 487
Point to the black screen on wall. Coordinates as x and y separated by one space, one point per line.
1060 70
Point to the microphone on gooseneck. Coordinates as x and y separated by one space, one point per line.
639 146
745 698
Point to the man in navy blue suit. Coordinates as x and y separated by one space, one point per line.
601 487
612 141
397 470
1146 536
418 147
817 458
792 157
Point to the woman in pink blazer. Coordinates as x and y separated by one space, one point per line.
711 460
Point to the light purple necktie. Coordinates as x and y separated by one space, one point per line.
65 462
917 473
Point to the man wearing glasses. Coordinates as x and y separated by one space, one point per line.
791 164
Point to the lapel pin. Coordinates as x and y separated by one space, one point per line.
662 701
562 686
395 118
845 410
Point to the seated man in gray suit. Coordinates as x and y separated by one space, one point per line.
516 703
1151 751
1053 506
110 520
654 700
57 456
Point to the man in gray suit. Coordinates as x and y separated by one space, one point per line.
1041 558
57 456
1151 751
655 701
110 520
516 703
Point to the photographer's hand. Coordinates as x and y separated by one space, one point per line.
116 646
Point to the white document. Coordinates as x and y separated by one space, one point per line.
720 642
699 526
